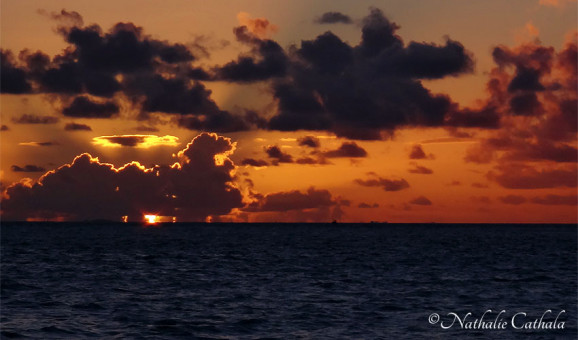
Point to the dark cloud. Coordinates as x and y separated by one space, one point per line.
77 127
14 79
544 150
254 162
526 104
487 117
27 168
418 169
556 200
310 160
155 75
309 141
364 205
526 177
513 199
384 183
366 91
333 18
533 90
421 200
347 149
34 119
4 128
278 156
173 95
266 60
193 189
65 18
417 152
292 200
83 107
130 141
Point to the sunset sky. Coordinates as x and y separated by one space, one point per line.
308 111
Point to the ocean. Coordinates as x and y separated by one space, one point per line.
288 281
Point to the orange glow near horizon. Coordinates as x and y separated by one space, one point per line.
151 219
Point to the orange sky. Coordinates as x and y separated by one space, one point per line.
502 147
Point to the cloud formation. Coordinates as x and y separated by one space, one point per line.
533 88
136 141
556 200
418 169
38 144
360 91
200 184
314 205
278 156
27 168
98 67
333 18
346 150
384 183
527 177
310 141
421 200
34 119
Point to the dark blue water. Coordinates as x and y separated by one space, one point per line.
283 281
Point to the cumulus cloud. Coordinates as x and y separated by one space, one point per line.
77 127
4 128
348 150
154 75
314 205
27 168
418 153
293 200
533 88
14 79
278 156
200 184
83 107
254 162
384 183
266 60
137 141
360 91
310 141
421 200
418 169
333 18
516 176
34 119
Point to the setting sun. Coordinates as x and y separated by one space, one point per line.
151 218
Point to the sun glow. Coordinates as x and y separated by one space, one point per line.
151 219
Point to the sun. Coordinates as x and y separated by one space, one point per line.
151 219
